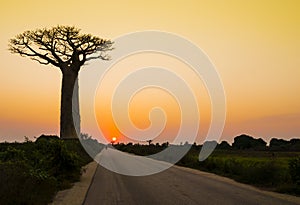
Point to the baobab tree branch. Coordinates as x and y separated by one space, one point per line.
61 45
21 49
102 57
44 57
48 46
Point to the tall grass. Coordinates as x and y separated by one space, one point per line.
280 174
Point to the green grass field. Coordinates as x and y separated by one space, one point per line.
275 171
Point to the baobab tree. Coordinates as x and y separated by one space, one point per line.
66 48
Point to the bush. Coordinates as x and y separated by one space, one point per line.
294 168
32 172
21 185
251 171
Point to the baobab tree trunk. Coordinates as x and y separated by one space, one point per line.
69 110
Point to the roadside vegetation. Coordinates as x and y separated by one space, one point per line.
275 167
32 172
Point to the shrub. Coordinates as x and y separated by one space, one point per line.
294 168
32 172
19 185
263 173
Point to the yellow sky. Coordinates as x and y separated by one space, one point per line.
254 45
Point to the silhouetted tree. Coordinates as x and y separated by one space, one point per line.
85 136
295 145
294 167
47 137
149 141
66 48
210 144
224 145
279 144
248 142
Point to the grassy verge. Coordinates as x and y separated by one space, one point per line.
32 172
272 171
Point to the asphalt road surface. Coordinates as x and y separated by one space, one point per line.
175 185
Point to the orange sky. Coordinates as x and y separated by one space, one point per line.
254 45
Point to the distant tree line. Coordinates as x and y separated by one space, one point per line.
245 142
241 142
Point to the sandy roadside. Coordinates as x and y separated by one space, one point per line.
76 194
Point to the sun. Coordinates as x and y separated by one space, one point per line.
114 139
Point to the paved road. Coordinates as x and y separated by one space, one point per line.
176 185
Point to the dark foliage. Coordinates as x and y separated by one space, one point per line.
224 145
32 172
294 166
248 142
284 145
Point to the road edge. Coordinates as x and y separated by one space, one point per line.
76 195
282 196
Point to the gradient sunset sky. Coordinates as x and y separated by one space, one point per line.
255 46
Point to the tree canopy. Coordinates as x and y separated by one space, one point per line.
60 46
248 142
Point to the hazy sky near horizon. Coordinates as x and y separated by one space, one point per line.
255 46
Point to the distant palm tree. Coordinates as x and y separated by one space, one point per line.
149 141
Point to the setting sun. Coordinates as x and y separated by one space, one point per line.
150 102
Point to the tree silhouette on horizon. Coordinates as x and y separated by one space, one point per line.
66 48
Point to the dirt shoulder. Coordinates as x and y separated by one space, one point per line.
76 194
